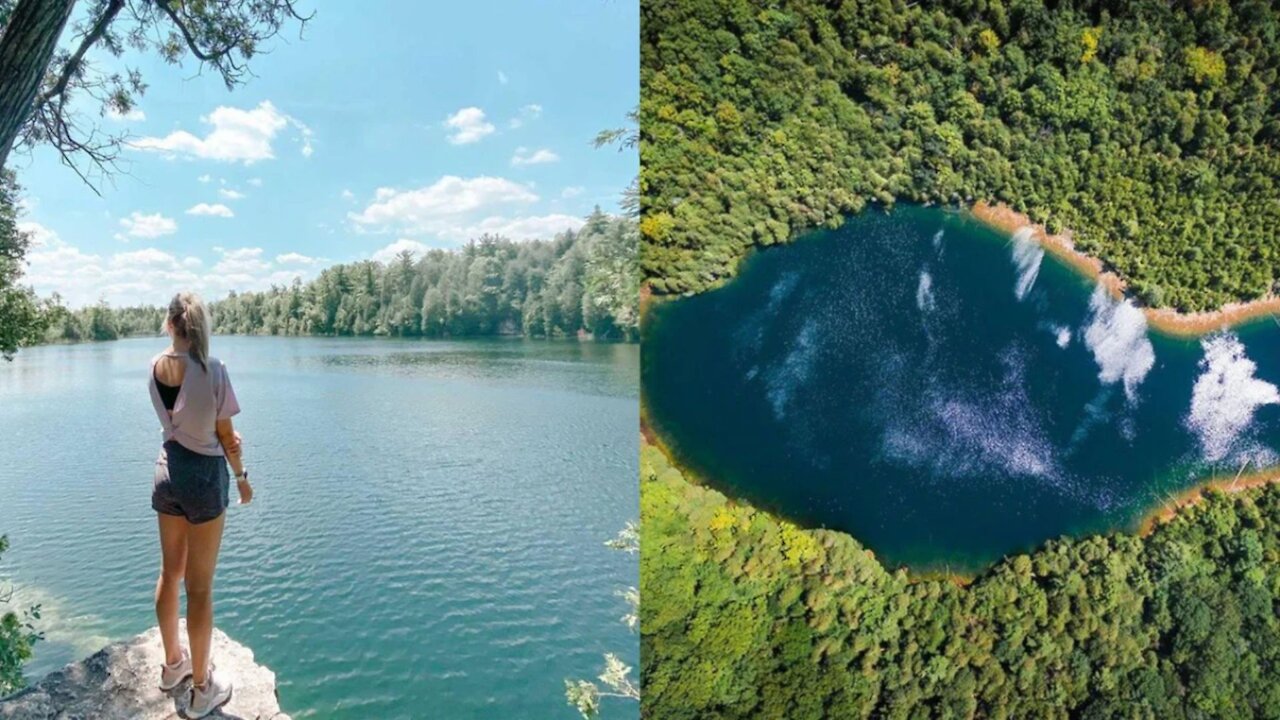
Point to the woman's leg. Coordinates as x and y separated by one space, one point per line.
202 556
173 554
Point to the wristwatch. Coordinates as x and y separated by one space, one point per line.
243 475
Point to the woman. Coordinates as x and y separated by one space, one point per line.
194 400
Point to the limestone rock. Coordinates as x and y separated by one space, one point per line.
120 682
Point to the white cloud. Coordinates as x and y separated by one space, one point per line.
1226 396
524 228
230 194
389 253
524 156
205 178
236 136
442 208
242 261
529 112
147 226
294 258
147 257
134 115
468 125
256 182
572 191
348 195
305 133
502 77
1117 336
40 236
81 278
146 276
244 269
214 210
455 209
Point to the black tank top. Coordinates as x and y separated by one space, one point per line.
168 393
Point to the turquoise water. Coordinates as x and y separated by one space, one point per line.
427 535
948 394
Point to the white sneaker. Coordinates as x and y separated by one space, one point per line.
171 676
215 693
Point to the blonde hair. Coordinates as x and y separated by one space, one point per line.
189 320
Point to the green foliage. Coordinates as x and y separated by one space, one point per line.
22 315
1148 128
100 322
746 616
17 636
1207 67
581 282
584 695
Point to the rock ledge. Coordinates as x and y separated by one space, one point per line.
120 682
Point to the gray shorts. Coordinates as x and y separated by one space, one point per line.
189 484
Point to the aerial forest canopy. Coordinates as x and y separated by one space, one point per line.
581 282
1147 128
746 616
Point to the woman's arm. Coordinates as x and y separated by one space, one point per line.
230 440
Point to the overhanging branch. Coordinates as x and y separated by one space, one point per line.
89 40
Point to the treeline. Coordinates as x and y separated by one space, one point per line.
583 282
1148 128
745 616
100 322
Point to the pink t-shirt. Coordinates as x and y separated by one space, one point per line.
204 398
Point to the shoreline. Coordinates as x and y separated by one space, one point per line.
1196 494
1146 524
1165 320
582 338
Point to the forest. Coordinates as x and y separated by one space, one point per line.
1147 128
748 616
582 283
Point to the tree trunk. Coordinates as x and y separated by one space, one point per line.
26 48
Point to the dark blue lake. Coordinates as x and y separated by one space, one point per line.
947 393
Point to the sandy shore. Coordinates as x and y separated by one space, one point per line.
1164 320
1229 484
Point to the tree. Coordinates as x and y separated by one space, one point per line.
23 319
17 635
626 139
582 282
611 292
30 37
102 325
42 83
616 678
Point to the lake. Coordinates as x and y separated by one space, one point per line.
427 534
948 394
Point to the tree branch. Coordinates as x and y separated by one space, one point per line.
222 56
212 56
90 39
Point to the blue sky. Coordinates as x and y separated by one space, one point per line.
389 125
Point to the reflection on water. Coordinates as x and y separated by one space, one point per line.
948 394
427 531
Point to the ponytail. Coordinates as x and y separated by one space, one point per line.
190 320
